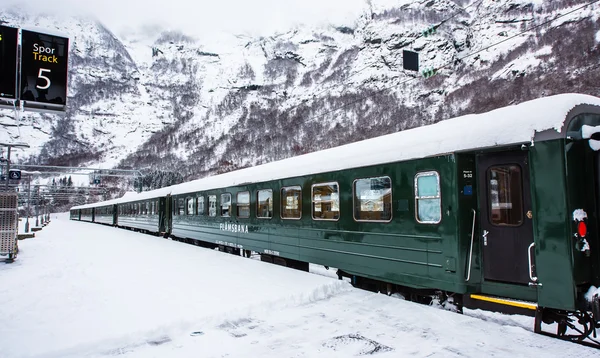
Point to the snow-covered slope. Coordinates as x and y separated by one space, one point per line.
163 99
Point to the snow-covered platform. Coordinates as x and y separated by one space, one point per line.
86 290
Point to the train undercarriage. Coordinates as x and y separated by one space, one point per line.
577 327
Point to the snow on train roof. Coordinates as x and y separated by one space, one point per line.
129 197
507 125
503 126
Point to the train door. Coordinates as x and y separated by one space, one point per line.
166 208
506 225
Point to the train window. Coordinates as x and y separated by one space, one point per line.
190 205
181 206
505 195
212 205
291 202
226 205
326 201
152 209
264 204
175 211
243 204
200 205
428 198
147 211
372 199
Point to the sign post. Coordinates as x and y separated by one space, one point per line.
8 171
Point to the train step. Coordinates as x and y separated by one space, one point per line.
500 304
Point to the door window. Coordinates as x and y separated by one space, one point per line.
505 193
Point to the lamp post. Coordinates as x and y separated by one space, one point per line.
29 174
28 202
37 206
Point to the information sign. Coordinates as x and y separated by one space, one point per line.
8 63
44 66
14 174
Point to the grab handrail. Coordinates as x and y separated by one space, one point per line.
471 249
533 278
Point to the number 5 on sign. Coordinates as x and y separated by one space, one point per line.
41 75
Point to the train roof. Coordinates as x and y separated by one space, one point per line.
504 126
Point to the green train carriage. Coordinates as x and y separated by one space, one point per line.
498 209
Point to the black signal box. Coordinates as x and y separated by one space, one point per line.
410 60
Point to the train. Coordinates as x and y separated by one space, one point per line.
497 210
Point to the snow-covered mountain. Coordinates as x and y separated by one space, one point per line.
164 100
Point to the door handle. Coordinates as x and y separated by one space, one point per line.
485 234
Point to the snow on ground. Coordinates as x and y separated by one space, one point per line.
86 290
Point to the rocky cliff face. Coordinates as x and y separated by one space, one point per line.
163 100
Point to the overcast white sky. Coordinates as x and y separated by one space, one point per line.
256 17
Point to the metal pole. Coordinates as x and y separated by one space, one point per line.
28 203
8 168
37 207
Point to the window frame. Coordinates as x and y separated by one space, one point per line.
181 204
417 198
230 205
203 212
281 202
237 204
216 205
187 206
312 195
391 200
258 203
